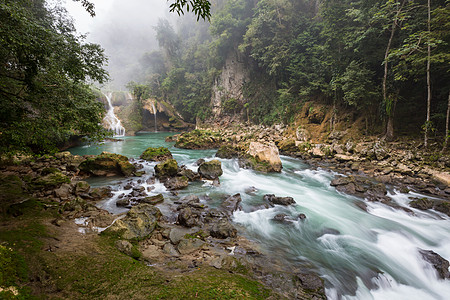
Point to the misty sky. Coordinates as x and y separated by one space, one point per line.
124 28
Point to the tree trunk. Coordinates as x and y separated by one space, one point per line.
390 124
427 122
446 125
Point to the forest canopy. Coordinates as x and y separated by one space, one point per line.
45 75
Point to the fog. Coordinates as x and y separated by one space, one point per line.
124 28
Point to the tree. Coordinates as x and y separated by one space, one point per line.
45 69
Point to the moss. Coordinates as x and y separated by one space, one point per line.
168 168
50 180
108 163
156 154
199 139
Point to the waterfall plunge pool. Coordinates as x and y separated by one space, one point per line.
371 254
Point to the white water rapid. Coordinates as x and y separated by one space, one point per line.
111 121
360 254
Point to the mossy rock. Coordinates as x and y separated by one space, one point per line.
156 154
422 203
250 162
210 169
228 151
51 180
288 146
199 139
108 164
166 169
139 223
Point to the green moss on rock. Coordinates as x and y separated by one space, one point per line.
199 139
166 169
107 164
156 154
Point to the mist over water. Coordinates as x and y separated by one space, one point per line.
371 254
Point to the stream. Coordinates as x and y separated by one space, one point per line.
371 254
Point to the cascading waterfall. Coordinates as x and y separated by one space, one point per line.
360 254
111 121
154 114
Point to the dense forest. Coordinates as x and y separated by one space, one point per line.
388 61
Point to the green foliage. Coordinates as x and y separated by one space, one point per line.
230 105
44 71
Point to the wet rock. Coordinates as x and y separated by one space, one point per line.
301 216
176 183
156 154
211 169
231 204
139 222
281 218
439 263
443 207
153 200
223 229
199 161
421 203
311 283
272 199
128 186
191 175
166 169
339 180
107 164
124 202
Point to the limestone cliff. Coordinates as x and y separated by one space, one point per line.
229 85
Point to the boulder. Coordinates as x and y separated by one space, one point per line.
210 169
272 199
176 183
139 222
288 146
186 246
232 204
153 200
166 169
100 193
228 151
53 179
442 206
156 154
189 217
191 175
264 157
81 187
107 164
439 263
223 229
63 192
421 203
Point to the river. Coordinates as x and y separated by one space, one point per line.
371 254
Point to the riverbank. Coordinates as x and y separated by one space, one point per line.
195 236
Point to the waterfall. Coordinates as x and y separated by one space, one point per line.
154 114
111 121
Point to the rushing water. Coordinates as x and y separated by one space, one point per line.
359 254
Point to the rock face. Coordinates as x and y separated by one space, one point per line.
139 222
156 154
108 164
210 169
230 83
266 157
